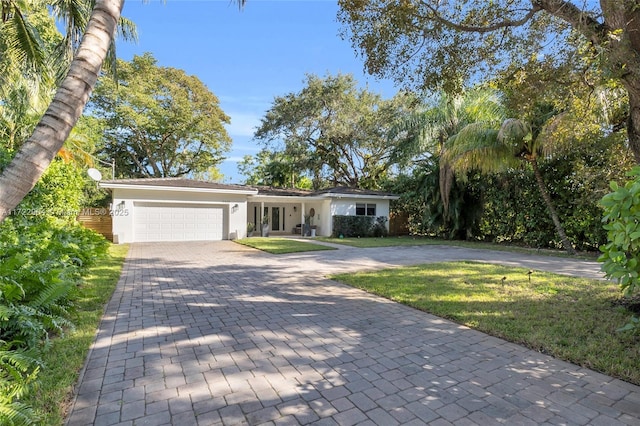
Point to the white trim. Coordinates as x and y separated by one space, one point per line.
363 196
178 188
283 198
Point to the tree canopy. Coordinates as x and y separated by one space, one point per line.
334 130
159 121
433 44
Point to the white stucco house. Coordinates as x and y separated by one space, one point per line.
177 209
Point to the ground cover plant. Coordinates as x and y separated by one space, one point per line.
573 319
42 261
281 245
66 356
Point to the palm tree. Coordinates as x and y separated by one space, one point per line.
479 146
423 135
35 155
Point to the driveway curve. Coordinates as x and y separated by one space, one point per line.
221 334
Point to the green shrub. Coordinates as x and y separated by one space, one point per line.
359 226
18 372
41 261
621 254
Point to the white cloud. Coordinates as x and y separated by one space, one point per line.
232 159
243 124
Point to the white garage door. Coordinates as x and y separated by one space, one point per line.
177 222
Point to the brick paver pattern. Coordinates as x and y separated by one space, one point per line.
220 334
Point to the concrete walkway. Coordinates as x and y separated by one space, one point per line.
218 333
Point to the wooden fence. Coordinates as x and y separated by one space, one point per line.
398 224
99 220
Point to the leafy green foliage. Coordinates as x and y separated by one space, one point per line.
39 267
359 226
621 254
18 372
160 122
333 131
273 168
41 261
445 45
420 198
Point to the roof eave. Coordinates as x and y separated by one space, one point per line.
363 196
178 188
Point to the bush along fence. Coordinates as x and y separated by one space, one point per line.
41 264
359 226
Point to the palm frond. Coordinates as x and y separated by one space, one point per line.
22 42
515 134
74 15
414 135
127 30
477 147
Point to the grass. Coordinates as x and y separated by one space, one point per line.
423 241
281 245
66 357
573 319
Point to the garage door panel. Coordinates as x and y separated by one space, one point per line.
177 222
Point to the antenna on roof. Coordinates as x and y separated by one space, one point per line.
94 174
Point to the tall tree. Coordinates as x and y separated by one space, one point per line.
160 122
49 135
436 44
36 153
333 130
481 147
272 168
422 134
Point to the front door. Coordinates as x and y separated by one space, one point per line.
275 218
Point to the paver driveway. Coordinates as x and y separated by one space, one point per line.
217 333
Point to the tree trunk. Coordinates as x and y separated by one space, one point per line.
552 210
633 122
35 155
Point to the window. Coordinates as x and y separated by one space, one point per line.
363 209
371 209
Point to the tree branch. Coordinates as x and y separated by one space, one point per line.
581 21
485 28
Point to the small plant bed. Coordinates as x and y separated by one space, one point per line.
281 245
67 354
573 319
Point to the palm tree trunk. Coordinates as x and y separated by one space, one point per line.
35 155
552 210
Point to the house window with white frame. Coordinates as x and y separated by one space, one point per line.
365 209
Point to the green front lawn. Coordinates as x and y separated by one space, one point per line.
281 245
423 241
573 319
67 355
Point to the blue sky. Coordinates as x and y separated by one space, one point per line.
247 57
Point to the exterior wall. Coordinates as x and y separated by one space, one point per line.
235 218
347 207
320 219
237 211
